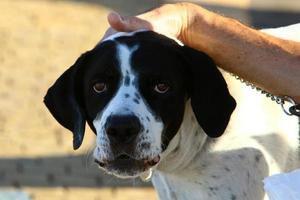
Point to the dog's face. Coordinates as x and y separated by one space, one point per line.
135 103
132 90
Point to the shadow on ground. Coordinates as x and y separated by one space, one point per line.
65 171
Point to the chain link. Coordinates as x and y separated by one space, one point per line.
292 110
281 100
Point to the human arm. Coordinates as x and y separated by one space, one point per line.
269 62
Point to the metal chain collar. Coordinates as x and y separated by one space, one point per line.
294 109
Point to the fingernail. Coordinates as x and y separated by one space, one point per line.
115 16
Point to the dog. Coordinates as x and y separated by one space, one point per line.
164 110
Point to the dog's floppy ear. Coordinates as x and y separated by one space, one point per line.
210 99
62 101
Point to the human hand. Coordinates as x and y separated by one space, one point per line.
172 20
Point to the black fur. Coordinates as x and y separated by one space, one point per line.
63 102
210 98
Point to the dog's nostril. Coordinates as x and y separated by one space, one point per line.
123 157
123 128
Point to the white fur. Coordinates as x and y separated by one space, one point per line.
121 34
120 105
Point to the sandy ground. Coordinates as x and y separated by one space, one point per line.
38 41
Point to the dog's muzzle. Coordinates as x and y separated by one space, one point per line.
122 132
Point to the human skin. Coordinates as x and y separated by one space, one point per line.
269 62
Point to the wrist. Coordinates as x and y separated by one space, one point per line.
197 23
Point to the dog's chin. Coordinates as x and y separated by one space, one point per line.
126 167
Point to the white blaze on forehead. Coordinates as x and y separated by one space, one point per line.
121 34
123 101
129 101
124 57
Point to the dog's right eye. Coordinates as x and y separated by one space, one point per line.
100 87
161 88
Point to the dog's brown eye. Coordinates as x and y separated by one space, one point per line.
99 87
161 88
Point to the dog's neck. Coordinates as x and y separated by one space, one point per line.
186 144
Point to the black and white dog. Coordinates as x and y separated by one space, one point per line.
159 106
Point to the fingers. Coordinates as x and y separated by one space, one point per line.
127 24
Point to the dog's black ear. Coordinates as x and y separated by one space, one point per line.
210 99
62 100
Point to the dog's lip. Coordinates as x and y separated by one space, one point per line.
126 160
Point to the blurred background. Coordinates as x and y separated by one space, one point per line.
38 40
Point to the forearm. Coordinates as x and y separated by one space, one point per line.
269 62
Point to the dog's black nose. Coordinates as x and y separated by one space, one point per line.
123 128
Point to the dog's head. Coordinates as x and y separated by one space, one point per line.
131 89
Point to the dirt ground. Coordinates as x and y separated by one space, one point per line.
38 41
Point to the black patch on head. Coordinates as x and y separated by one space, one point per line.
72 101
126 95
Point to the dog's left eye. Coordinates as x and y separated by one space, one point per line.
99 87
161 88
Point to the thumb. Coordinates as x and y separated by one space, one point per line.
127 24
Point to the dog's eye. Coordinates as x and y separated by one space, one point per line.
161 88
99 87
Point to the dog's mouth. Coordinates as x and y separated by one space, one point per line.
126 166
